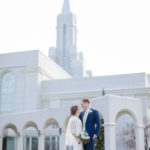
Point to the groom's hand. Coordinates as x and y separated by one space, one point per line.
94 137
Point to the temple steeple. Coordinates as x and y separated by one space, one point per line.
65 54
66 7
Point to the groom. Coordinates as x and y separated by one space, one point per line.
91 123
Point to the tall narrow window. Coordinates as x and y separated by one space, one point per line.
7 91
65 45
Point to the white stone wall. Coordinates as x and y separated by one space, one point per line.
109 107
30 69
66 91
114 82
41 84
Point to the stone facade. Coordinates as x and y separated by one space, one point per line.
44 93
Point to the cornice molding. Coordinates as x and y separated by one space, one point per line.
94 93
37 70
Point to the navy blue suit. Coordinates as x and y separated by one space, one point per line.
92 126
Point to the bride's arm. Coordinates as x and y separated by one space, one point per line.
74 130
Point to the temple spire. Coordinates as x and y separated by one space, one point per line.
66 7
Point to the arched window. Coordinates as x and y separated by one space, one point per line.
7 90
31 134
9 137
125 132
52 135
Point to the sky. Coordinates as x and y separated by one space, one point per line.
114 35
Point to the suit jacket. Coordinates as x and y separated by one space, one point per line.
93 122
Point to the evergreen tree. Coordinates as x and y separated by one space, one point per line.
100 138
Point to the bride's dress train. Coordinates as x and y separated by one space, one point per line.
74 126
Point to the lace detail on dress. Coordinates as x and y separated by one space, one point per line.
73 126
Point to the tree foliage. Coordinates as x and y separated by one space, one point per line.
100 138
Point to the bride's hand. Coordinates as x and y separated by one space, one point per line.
79 140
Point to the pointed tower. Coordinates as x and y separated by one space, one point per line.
66 7
65 53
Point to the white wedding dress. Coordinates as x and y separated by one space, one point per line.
74 126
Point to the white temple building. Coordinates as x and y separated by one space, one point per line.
65 54
36 96
36 93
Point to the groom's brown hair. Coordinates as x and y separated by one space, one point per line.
86 101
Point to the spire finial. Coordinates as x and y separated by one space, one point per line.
66 7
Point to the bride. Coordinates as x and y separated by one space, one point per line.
74 128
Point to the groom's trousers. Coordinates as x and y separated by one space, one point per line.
90 145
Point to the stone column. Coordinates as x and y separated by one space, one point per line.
139 137
62 141
1 142
30 142
50 140
110 142
41 141
20 142
57 141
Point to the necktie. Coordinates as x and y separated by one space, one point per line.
84 118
